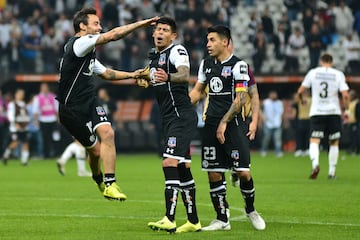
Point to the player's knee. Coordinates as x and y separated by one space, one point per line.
107 134
244 175
215 176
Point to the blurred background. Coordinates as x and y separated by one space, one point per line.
280 39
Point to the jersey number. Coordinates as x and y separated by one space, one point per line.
324 91
209 153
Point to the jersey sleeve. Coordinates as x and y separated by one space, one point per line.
99 68
179 56
241 73
307 80
343 85
85 44
201 74
11 112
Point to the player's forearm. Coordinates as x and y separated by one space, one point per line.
255 103
113 75
120 32
181 76
235 107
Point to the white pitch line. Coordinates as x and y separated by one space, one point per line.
239 218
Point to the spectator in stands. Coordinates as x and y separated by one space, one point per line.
31 50
295 44
271 118
302 124
110 16
307 20
285 22
260 46
344 18
50 51
315 45
45 110
357 22
267 24
351 47
19 125
14 46
280 42
253 26
293 8
352 116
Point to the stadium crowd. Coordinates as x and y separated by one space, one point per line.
273 36
270 32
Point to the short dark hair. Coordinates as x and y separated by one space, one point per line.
221 30
326 58
82 17
168 21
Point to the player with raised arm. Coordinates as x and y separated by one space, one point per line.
225 143
80 110
325 111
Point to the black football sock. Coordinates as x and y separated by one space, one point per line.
248 192
218 199
172 184
188 192
109 178
98 178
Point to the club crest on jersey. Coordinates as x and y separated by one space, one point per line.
100 110
172 142
235 154
162 59
226 71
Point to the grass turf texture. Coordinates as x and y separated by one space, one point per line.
37 203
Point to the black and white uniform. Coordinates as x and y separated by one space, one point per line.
19 121
222 78
178 115
80 110
325 112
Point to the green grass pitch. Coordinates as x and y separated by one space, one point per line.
37 203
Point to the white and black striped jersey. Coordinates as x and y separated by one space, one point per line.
77 66
222 77
172 97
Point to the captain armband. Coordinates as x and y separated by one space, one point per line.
241 86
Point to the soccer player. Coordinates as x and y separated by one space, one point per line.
325 111
74 149
19 127
169 72
226 136
80 110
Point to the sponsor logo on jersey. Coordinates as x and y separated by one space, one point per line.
235 154
172 142
226 71
216 84
182 52
162 59
208 70
243 69
100 110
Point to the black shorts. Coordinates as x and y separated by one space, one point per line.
234 153
22 136
321 126
178 134
81 120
